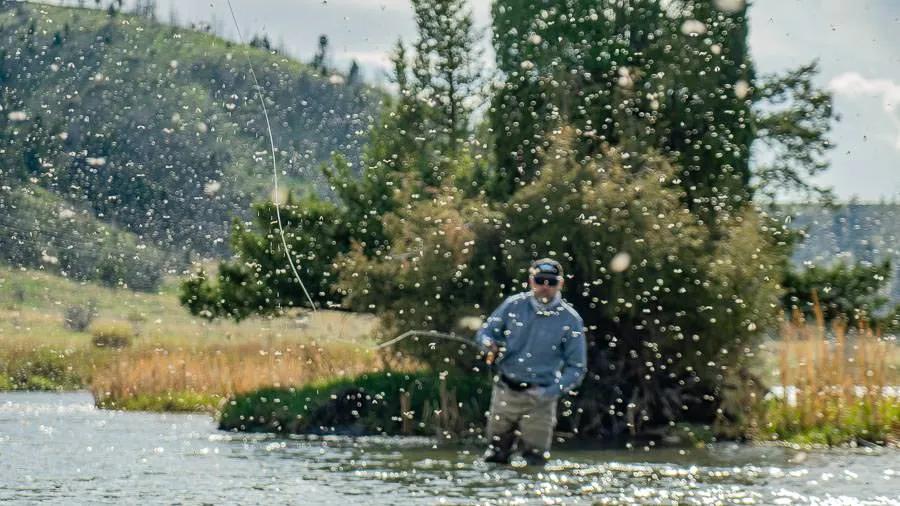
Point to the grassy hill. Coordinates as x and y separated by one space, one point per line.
152 131
164 347
34 305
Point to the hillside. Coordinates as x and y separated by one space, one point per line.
853 233
150 130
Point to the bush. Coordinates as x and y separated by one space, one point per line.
424 403
854 291
78 317
112 335
17 296
43 369
187 402
438 271
672 303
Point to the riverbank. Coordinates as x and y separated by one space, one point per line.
144 352
381 403
842 391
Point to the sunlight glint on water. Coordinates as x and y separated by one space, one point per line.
59 449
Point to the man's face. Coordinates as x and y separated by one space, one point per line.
543 291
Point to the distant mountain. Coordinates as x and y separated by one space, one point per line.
853 233
152 130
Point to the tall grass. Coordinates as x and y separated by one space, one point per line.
170 359
838 385
224 370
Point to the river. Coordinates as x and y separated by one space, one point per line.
57 448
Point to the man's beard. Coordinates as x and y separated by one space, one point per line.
544 303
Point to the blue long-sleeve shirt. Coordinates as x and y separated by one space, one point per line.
547 348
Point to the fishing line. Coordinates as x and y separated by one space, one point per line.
422 333
401 337
274 164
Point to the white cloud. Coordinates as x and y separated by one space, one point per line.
376 59
852 84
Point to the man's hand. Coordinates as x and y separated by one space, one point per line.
491 349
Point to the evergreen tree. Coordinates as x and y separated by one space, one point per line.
447 67
320 58
641 75
353 73
417 146
792 119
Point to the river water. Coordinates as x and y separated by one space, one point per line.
57 448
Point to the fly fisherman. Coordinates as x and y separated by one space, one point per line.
544 357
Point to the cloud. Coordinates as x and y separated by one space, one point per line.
852 84
377 59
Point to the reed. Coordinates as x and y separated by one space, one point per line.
839 385
224 370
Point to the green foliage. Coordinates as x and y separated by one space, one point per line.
260 280
620 144
46 231
642 75
666 330
416 146
41 369
863 420
371 403
170 402
637 75
855 232
447 72
669 326
441 267
855 291
792 119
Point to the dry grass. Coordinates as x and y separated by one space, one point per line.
837 384
227 370
32 304
168 350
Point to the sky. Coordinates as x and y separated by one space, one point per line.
857 44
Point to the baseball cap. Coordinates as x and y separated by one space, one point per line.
546 270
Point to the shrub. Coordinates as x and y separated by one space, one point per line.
424 403
852 291
668 328
42 369
78 317
111 335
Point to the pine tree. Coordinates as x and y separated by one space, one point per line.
321 56
632 74
353 73
792 118
446 66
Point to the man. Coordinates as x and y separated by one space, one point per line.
544 357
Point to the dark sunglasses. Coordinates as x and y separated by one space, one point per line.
541 280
